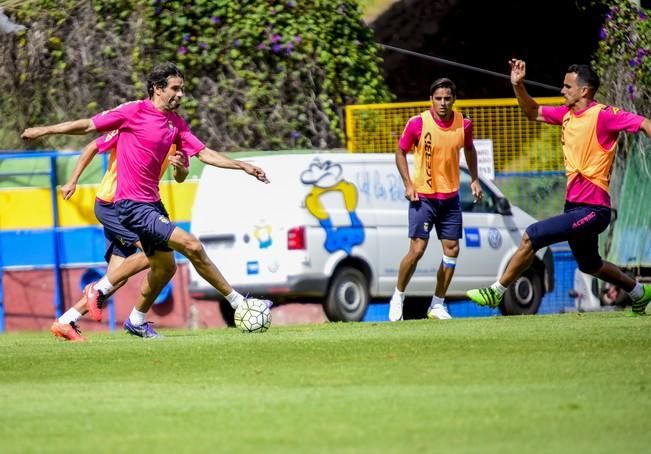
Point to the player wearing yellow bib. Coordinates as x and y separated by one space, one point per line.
121 244
589 136
436 137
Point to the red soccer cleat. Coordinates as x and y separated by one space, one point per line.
94 300
69 331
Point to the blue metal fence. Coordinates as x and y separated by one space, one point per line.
54 233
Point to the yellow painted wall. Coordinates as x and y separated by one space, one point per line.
31 208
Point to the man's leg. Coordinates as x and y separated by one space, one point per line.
119 271
408 265
537 235
191 247
162 269
443 277
448 223
585 250
578 221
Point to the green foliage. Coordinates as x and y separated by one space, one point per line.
623 59
265 74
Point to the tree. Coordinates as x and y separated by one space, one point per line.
265 74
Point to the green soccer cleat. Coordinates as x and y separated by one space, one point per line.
487 297
639 306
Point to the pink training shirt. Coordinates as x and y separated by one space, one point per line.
146 135
610 123
411 135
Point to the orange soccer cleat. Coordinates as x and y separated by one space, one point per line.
94 302
69 331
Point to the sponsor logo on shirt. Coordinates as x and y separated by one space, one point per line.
584 219
110 135
428 158
163 219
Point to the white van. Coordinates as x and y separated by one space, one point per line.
332 227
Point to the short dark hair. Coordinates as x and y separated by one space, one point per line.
585 75
443 82
159 76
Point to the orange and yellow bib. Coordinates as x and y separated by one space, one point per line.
436 156
582 151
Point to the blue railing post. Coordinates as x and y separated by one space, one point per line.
58 288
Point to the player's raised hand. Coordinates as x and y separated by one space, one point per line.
518 71
67 190
255 171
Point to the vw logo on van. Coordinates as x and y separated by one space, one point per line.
494 238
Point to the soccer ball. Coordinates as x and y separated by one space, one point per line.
253 316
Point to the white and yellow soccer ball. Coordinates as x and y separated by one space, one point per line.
253 316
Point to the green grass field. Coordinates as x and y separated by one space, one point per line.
557 383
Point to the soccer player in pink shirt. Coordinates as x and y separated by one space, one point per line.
121 244
436 137
589 137
148 128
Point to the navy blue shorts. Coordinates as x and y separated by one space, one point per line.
579 225
444 215
119 240
149 221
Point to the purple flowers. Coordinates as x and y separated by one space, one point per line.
237 42
295 135
603 34
183 50
276 38
215 20
203 46
276 48
186 37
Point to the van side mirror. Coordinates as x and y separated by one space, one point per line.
503 206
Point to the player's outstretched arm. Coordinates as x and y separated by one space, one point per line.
82 126
528 105
217 159
90 150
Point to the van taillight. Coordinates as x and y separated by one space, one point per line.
296 238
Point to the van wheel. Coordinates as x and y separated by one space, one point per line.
347 298
524 295
228 313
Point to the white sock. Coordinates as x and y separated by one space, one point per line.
399 294
71 315
637 292
436 301
234 298
137 318
499 288
103 286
